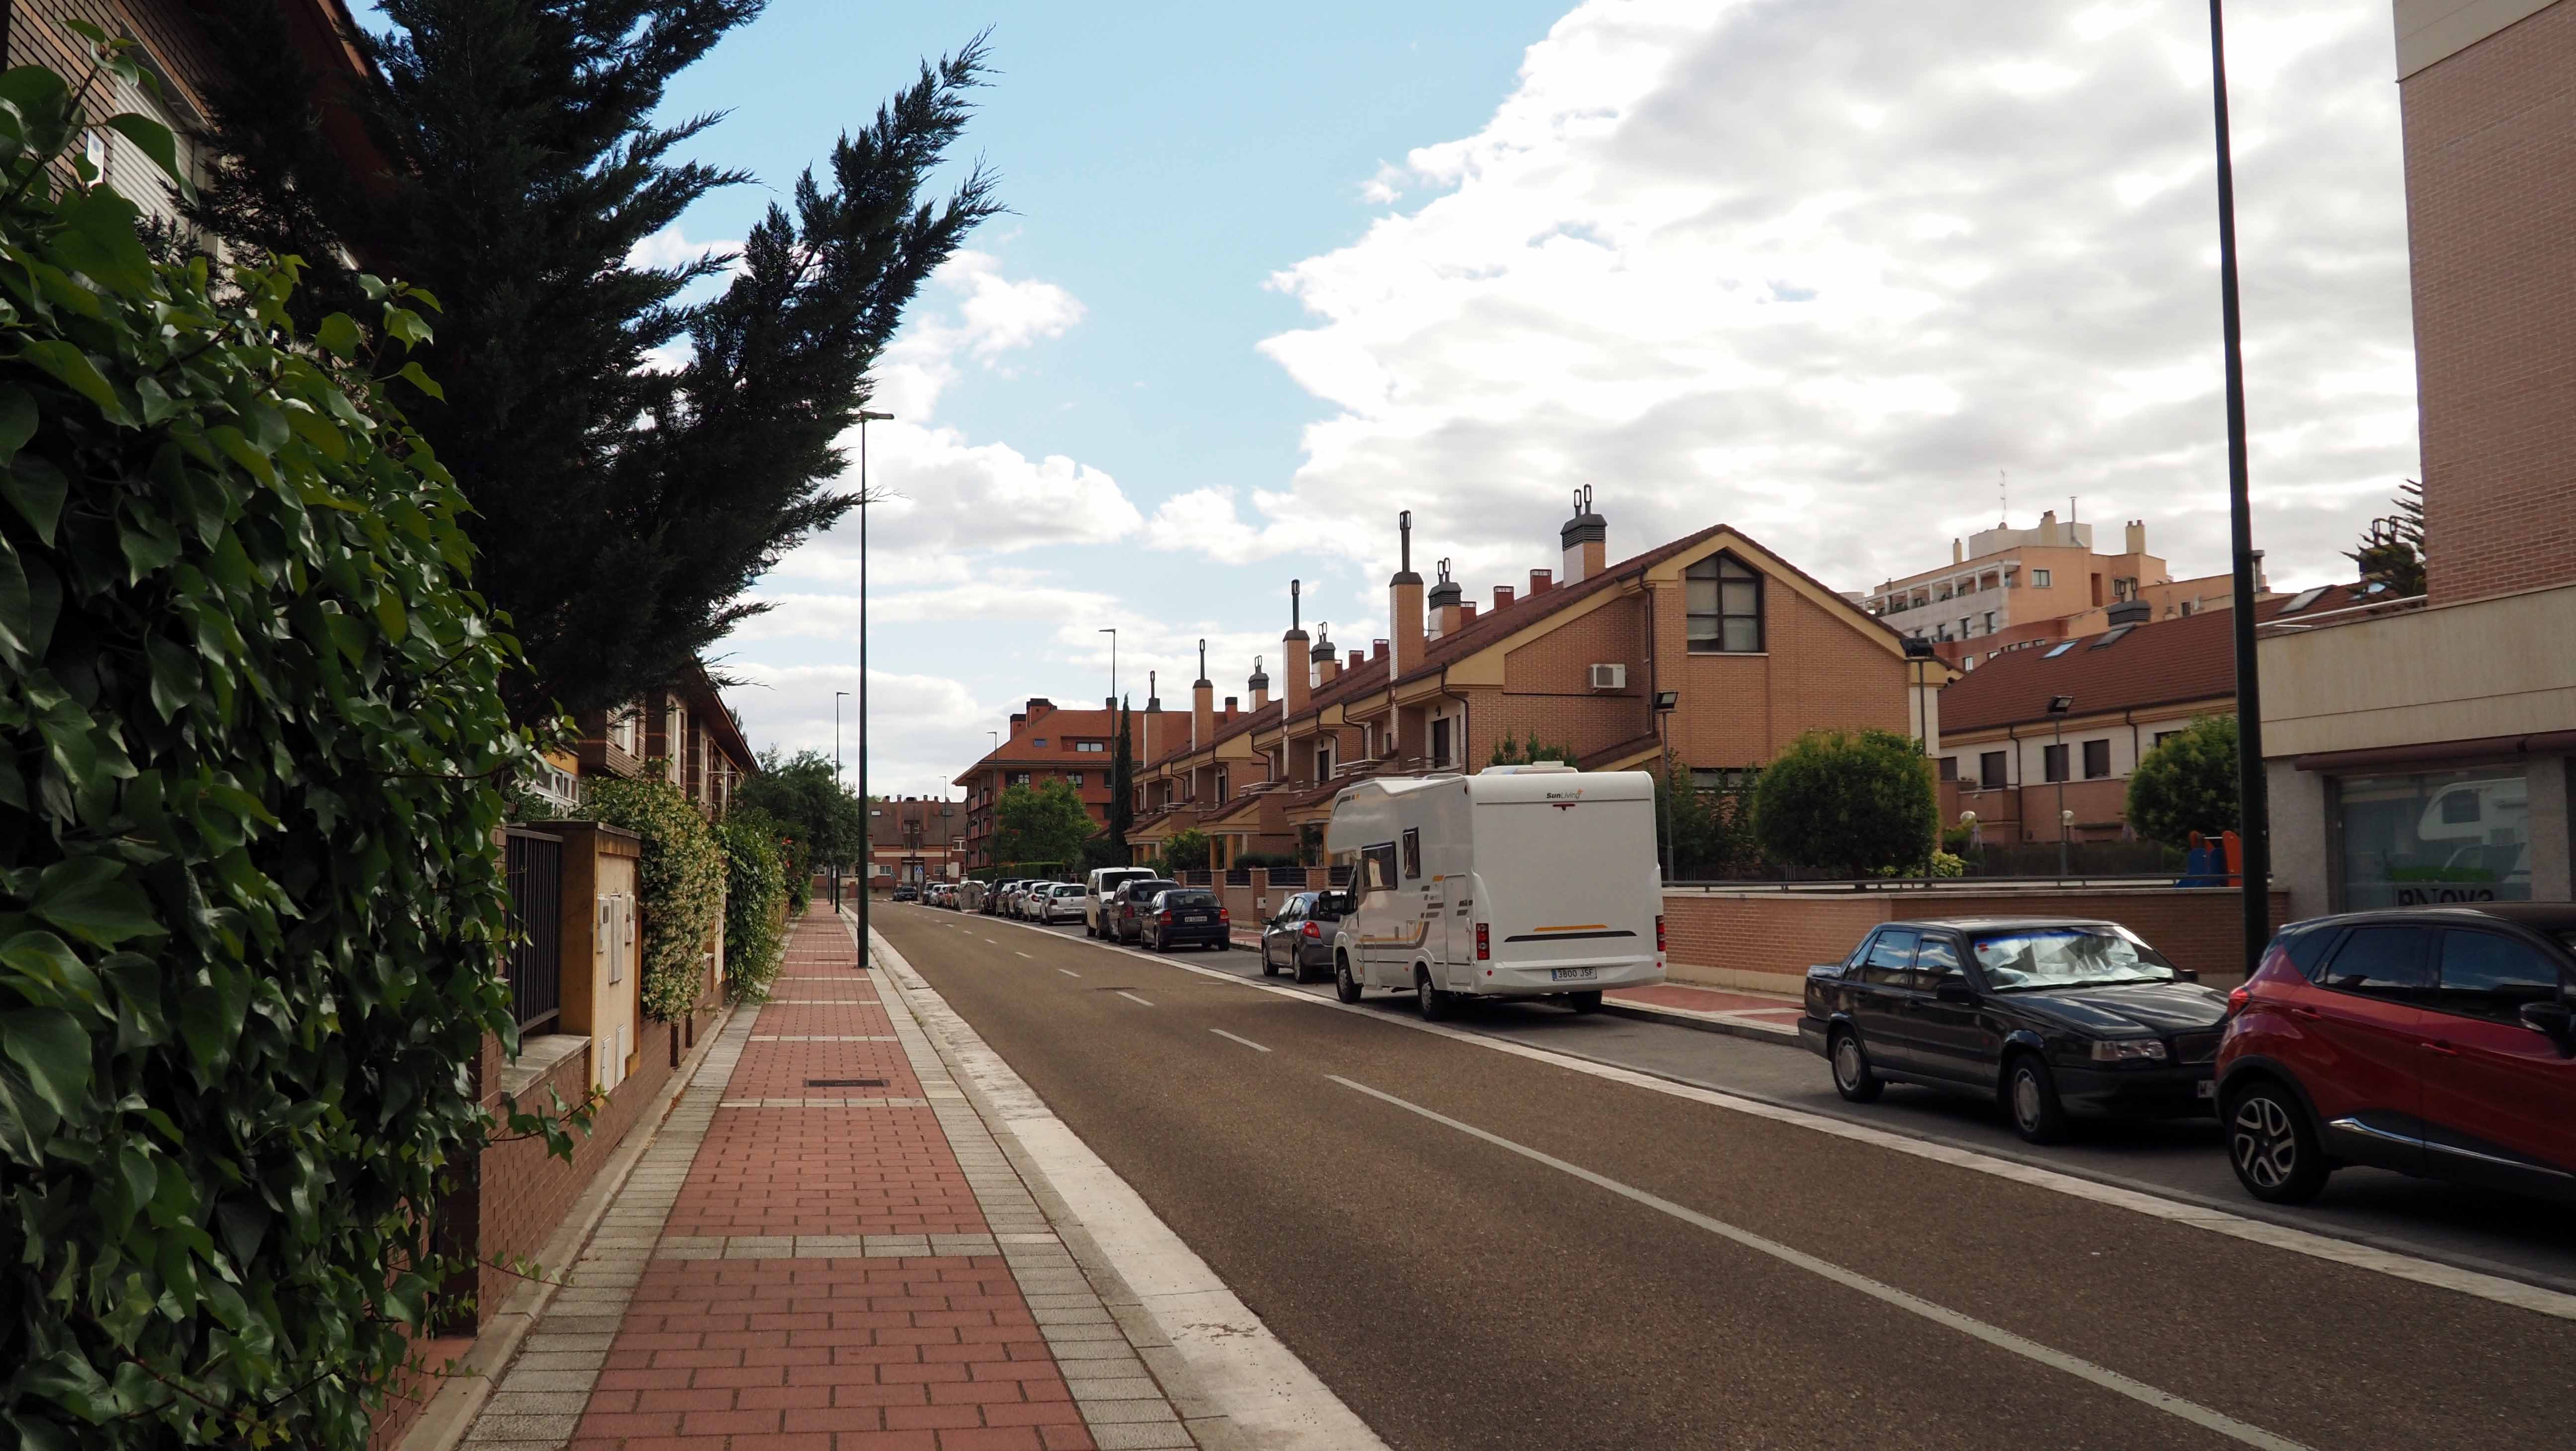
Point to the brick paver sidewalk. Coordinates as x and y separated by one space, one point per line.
825 1250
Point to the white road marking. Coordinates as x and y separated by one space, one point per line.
1068 972
1015 952
1257 1382
1246 1042
2110 1380
2499 1289
1131 997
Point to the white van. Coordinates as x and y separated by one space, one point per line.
1518 881
1097 888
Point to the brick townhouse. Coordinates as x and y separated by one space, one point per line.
1051 743
915 840
2005 755
2421 750
1753 649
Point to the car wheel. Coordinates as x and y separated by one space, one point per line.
1586 1002
1853 1078
1433 1003
1345 986
2030 1094
1268 968
1158 942
2273 1150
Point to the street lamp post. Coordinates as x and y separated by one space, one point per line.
2253 811
837 697
867 817
2058 706
1112 632
1665 701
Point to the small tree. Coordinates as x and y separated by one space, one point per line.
2187 784
1860 802
1710 832
1122 787
1508 752
755 903
1045 825
2392 548
1184 851
805 796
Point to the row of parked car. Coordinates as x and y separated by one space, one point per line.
2437 1042
1120 904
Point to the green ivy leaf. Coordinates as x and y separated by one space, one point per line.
73 369
100 241
36 489
50 1046
155 141
411 373
17 420
95 900
339 335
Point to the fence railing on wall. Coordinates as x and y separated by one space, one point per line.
533 866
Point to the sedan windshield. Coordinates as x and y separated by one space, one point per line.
1188 899
2044 957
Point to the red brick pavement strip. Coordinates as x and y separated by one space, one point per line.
931 1353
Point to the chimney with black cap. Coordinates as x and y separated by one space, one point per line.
1292 647
1446 597
1259 685
1586 538
1404 605
1202 704
1327 661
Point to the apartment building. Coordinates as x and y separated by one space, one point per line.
1750 650
2006 587
1051 743
2034 733
2420 750
683 733
915 840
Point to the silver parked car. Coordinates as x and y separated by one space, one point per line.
1062 903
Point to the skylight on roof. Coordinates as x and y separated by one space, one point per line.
2110 637
2302 600
2060 650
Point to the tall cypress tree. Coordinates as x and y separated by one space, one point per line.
1122 784
627 496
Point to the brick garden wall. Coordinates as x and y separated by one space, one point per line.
1726 938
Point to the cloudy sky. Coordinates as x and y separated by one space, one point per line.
1829 270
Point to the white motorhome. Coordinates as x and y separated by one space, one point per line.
1096 890
1518 881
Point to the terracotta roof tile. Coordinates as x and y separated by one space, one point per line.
2161 662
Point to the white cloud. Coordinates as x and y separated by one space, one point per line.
1822 268
917 721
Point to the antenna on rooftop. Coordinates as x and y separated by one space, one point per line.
2003 499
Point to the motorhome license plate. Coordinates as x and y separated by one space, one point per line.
1571 974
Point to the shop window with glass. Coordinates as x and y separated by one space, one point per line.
1725 607
2429 838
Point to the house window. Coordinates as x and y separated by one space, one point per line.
1990 771
2097 760
2164 736
1323 762
1221 783
1949 768
1990 622
1076 778
1040 743
1440 741
2053 762
1019 778
2039 579
1724 604
1092 748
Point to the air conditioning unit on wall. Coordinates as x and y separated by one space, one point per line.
1609 677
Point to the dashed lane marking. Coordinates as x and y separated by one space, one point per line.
1246 1042
1131 997
2001 1339
1068 972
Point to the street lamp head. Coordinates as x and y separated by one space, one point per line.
1667 699
868 416
2060 704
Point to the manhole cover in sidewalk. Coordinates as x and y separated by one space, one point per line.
845 1083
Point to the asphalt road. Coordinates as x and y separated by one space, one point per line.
1478 1249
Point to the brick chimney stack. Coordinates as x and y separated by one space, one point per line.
1503 597
1259 685
1538 583
1202 704
1445 598
1292 656
1586 538
1327 661
1404 604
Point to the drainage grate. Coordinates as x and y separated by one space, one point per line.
845 1083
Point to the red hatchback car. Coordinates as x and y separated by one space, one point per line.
2437 1042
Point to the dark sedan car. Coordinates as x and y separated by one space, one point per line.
1186 917
1127 907
1300 939
2049 1016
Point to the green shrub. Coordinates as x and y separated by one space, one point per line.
1183 851
1858 802
251 902
680 884
755 904
2187 784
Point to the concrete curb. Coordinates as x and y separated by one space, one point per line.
462 1393
1698 1022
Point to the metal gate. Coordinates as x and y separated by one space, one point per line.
535 866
